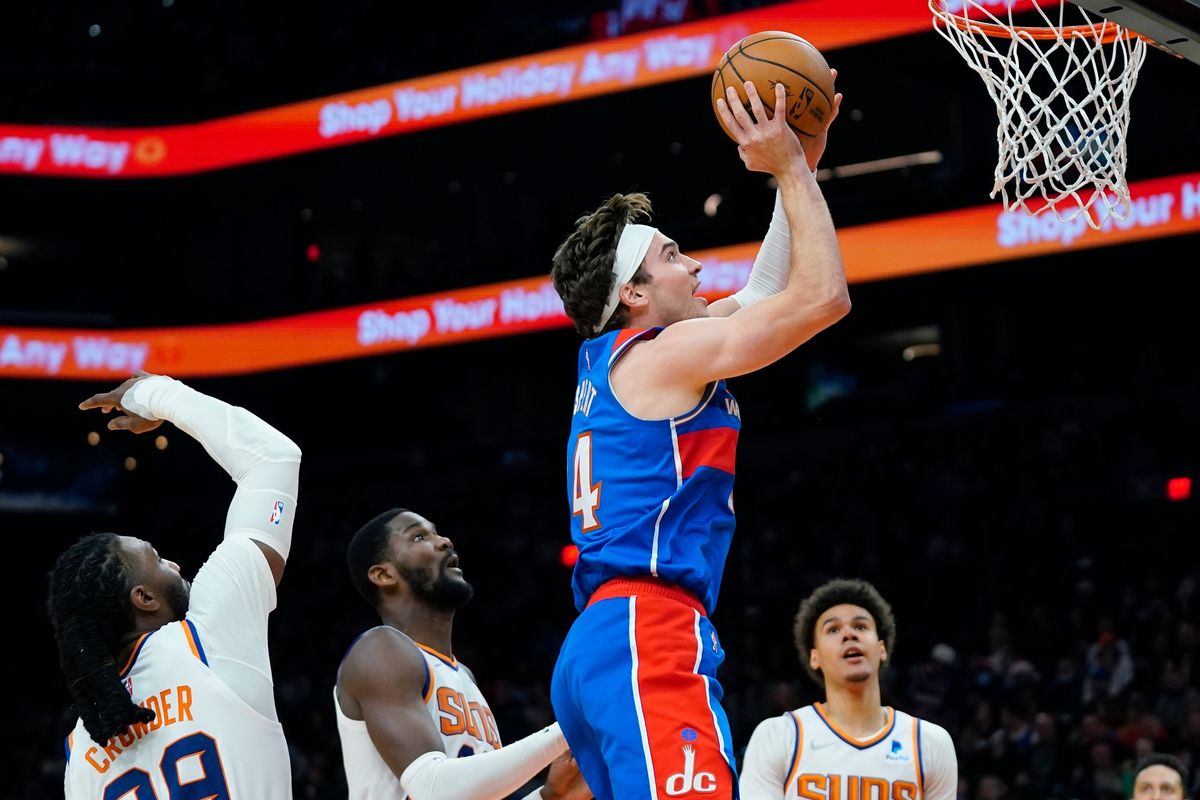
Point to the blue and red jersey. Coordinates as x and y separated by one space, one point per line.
648 497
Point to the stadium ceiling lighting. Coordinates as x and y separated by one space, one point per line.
915 351
880 165
11 246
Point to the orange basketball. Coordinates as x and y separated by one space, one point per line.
771 57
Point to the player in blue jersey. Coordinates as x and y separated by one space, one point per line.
650 462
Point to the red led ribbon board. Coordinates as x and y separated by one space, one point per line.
502 87
985 234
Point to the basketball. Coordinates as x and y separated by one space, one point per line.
771 57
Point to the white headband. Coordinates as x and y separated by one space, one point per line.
631 249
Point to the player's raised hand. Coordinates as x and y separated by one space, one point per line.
128 421
814 146
565 781
765 145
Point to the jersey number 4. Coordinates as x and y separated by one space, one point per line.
585 496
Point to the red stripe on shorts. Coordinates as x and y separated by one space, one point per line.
681 734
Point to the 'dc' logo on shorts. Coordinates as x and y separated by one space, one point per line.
689 780
149 150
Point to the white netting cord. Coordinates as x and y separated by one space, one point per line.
1063 108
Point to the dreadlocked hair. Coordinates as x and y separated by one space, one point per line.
89 609
583 264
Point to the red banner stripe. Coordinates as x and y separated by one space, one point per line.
501 87
1167 206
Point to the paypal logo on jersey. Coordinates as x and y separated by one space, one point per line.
897 753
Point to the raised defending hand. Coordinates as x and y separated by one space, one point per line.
565 781
107 401
765 145
814 147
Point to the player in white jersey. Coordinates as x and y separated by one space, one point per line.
851 747
407 711
172 681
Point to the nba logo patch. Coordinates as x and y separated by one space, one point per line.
276 513
129 686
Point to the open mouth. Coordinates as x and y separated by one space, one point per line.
853 652
452 563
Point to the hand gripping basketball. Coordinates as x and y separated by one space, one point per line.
765 142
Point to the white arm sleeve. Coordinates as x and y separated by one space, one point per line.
769 275
767 759
940 763
261 460
485 776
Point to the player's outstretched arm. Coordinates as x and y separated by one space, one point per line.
384 674
697 351
262 461
769 274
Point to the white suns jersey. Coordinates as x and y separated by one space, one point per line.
206 740
801 754
458 710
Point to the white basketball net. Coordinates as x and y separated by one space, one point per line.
1063 104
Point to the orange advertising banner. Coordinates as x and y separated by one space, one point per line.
1161 207
516 84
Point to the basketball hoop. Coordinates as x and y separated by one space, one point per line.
1062 95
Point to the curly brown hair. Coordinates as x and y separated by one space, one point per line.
837 592
582 270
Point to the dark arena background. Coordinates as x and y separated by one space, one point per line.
1005 442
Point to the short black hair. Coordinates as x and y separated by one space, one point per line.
367 547
1164 760
837 592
